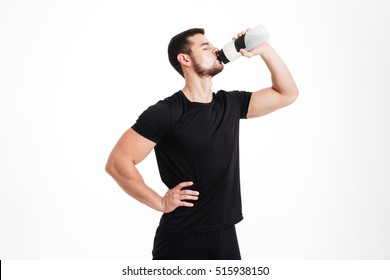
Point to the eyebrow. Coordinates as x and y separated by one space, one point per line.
205 44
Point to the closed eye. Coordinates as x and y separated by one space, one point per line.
206 46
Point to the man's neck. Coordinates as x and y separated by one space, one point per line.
198 89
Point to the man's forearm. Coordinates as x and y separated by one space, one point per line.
282 80
130 180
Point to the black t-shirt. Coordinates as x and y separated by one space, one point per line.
199 142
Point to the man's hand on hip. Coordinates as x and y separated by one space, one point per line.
175 197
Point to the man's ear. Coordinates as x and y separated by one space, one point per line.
184 59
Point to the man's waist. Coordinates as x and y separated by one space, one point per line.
198 227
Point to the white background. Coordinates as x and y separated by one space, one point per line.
74 75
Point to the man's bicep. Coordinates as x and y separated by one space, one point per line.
133 146
264 102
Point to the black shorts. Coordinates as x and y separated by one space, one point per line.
215 245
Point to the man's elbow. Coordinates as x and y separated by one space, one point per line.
111 166
117 165
291 96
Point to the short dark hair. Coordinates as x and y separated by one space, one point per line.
181 44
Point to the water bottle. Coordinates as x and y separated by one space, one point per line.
250 40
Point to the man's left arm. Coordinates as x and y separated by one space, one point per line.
283 90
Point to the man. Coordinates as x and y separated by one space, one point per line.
195 136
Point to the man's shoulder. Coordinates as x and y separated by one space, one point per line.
223 94
167 103
229 92
171 107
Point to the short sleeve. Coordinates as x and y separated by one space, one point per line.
243 98
154 122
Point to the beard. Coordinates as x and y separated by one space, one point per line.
212 71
